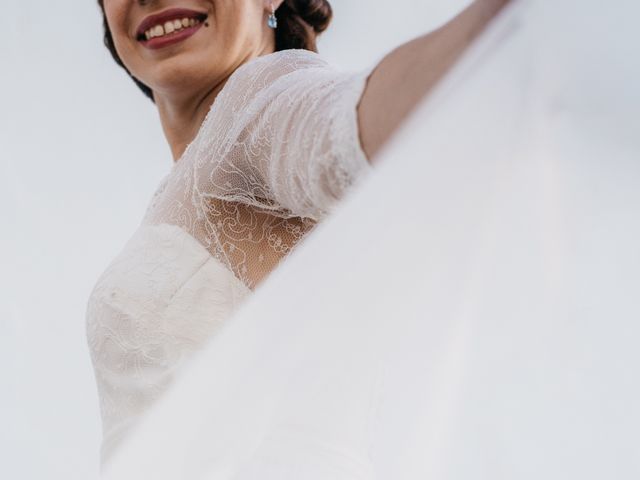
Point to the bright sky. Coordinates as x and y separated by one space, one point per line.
81 153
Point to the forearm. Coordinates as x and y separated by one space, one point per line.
411 71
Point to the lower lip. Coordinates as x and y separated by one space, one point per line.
171 39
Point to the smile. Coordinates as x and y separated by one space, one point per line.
169 27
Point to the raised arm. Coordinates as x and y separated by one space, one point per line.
410 72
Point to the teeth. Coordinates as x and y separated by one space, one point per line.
170 27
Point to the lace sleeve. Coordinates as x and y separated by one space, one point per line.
283 136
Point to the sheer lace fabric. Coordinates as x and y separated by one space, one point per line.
278 149
276 152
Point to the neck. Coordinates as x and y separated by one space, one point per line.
181 116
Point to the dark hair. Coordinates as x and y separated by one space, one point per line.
299 24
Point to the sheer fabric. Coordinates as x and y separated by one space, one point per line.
279 147
276 152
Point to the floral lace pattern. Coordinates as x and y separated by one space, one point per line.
278 149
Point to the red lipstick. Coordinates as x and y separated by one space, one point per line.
177 35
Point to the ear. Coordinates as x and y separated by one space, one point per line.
268 4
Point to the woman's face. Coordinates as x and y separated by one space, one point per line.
185 47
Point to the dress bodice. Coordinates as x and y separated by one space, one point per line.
159 300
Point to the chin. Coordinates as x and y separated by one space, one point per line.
183 74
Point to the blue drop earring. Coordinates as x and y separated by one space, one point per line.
273 20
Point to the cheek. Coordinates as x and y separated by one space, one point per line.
116 12
241 17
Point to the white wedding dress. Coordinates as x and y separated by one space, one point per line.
278 148
470 312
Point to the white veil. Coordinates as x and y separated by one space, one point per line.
471 312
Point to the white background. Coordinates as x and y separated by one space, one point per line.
81 151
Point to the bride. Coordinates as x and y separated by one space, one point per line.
266 138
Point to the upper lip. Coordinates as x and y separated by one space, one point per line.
162 17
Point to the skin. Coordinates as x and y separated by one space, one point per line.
187 77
